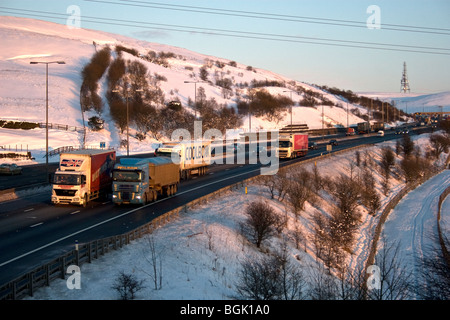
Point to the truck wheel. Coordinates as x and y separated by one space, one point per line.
145 199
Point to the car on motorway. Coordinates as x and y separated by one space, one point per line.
333 142
10 169
380 133
312 145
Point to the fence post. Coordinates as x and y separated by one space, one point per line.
63 265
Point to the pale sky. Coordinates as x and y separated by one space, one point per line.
354 45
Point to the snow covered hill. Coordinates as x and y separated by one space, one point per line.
22 86
414 102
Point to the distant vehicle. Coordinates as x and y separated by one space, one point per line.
193 157
380 133
350 132
377 126
363 127
139 181
398 131
333 142
405 131
82 176
292 146
312 145
10 169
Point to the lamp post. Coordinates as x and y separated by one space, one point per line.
46 110
291 107
195 94
128 126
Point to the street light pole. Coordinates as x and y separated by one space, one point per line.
291 106
128 124
46 111
195 95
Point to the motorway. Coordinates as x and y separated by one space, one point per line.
33 231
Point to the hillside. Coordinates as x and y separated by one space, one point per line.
22 87
22 90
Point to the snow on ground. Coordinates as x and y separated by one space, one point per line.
414 102
413 224
201 252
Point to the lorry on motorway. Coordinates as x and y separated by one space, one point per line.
82 176
377 126
363 127
292 145
350 132
139 181
193 156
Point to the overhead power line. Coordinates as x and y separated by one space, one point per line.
272 16
234 33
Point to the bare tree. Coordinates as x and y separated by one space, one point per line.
344 219
291 278
281 183
387 161
271 278
269 181
258 279
369 195
394 280
127 285
434 280
322 284
261 222
154 257
300 190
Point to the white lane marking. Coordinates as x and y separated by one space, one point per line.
117 217
75 212
37 224
28 210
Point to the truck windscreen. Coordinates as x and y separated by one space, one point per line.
284 144
163 154
67 179
128 176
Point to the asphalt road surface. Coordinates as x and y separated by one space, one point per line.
33 231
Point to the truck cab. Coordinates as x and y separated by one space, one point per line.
292 145
130 181
82 176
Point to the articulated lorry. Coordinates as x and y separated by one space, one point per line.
82 176
363 127
193 157
292 146
139 181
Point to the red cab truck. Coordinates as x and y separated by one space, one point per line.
82 176
292 146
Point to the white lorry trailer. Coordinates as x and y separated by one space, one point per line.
193 157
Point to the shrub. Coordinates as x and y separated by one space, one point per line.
127 285
261 223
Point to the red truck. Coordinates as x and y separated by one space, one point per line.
82 176
292 146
